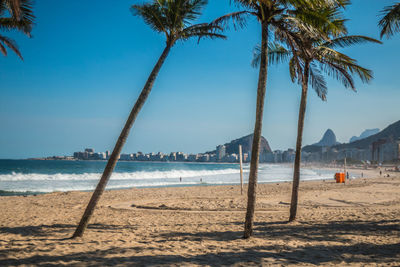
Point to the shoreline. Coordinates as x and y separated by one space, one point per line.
362 173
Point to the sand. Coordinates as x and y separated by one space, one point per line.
352 224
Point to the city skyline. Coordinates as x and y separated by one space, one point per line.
373 146
75 87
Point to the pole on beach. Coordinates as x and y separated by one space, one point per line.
345 173
241 169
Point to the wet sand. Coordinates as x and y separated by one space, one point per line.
353 224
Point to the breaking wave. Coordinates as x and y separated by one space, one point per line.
142 175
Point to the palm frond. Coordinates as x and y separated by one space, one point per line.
238 20
9 24
3 49
347 63
10 44
21 15
318 82
319 22
294 71
152 15
339 73
248 4
390 22
276 54
345 41
203 30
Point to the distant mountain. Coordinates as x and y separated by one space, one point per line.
392 132
246 142
329 139
365 134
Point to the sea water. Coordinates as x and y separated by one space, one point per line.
40 176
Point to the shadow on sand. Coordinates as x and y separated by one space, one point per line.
345 252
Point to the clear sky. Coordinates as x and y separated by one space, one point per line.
88 60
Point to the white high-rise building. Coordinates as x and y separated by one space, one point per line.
220 152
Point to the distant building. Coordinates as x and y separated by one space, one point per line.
192 157
212 158
172 156
203 158
158 157
180 156
231 158
389 151
220 151
126 157
140 156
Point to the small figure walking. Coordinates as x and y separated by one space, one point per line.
180 179
380 173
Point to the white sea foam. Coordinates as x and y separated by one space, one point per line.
115 176
36 182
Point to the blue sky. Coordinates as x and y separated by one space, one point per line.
88 60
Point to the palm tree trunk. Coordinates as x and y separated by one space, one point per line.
297 161
120 143
255 152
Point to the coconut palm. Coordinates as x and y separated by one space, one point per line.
390 23
173 18
273 15
309 58
15 15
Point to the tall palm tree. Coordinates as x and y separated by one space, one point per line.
309 57
15 15
273 15
390 23
173 18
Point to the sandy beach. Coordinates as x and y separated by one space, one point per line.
352 224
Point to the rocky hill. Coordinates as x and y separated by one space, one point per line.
365 134
392 132
246 142
328 139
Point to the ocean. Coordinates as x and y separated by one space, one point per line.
36 176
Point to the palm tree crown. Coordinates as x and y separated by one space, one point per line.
297 13
320 55
174 18
15 15
390 23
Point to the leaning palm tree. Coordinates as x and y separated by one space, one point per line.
309 57
173 18
273 15
390 22
15 15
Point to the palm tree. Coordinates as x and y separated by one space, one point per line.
15 15
273 15
174 19
310 57
390 23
